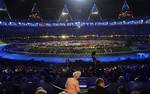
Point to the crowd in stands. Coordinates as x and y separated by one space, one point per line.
20 77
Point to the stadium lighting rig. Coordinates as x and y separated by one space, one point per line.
65 13
79 1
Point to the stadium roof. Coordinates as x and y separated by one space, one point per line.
51 9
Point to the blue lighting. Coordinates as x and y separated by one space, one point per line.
59 59
74 24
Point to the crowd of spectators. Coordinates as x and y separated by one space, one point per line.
26 77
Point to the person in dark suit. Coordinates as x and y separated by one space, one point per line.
99 89
121 90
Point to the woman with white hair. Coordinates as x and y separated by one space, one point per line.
72 84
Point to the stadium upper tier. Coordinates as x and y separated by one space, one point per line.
75 24
27 29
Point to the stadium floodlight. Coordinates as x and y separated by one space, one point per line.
94 15
94 9
80 0
2 9
65 13
125 6
96 12
65 16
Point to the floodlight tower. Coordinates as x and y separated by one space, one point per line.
94 13
4 14
125 12
65 15
35 13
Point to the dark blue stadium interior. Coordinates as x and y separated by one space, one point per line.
44 42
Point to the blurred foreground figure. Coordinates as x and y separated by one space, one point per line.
72 84
17 89
1 88
135 92
40 90
99 89
121 90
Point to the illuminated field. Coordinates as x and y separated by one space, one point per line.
72 47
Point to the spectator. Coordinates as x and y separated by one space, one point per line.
72 84
1 89
99 89
40 90
17 90
121 90
135 92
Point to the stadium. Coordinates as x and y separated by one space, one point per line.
42 46
79 38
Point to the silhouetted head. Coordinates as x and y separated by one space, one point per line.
100 83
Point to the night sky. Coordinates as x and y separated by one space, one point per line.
51 9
